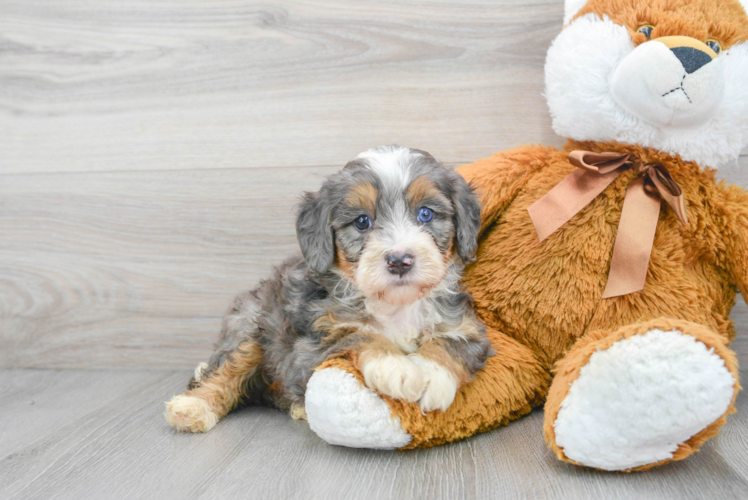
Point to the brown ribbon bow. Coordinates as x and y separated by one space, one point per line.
641 208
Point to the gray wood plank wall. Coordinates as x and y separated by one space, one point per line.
151 153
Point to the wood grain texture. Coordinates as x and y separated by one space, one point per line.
135 269
737 173
151 153
93 86
101 434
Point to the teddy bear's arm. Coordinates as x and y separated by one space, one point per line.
732 216
499 178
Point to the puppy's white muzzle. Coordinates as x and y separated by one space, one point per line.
670 82
427 268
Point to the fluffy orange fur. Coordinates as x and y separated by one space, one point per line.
725 21
510 386
542 302
567 371
688 274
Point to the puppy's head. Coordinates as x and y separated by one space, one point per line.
391 220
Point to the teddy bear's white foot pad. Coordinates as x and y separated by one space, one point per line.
637 401
341 411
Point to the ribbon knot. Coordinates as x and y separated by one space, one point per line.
641 208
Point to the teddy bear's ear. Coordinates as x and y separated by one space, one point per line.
571 7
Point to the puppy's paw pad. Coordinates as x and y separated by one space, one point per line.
394 375
190 414
440 385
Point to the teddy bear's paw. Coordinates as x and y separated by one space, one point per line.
637 401
395 375
342 411
440 385
191 414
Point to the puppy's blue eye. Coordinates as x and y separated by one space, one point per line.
425 215
362 223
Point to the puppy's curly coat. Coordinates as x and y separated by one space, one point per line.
384 243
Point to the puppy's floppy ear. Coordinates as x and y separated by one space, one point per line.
315 233
466 217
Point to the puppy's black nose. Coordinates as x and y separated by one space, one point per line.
691 59
399 263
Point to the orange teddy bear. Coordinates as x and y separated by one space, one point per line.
618 320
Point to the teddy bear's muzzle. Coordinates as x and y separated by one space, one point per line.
673 81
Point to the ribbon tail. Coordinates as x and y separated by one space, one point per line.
567 198
671 192
634 240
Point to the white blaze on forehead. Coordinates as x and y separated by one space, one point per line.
390 163
400 233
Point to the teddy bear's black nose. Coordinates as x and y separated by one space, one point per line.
691 58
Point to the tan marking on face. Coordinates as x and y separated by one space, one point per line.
363 195
342 263
450 251
373 279
422 189
436 353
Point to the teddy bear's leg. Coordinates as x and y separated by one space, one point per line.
640 396
343 411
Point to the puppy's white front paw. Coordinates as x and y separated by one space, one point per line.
394 375
188 413
440 385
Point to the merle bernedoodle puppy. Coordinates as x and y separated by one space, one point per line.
384 243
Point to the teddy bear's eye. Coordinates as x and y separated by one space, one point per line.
646 30
715 46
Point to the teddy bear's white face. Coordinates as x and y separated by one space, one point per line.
671 75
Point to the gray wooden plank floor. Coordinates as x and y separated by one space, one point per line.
100 434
